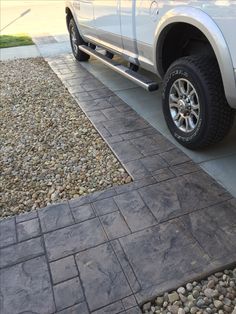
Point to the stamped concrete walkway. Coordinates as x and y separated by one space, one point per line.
110 251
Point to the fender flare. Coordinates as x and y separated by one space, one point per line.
209 28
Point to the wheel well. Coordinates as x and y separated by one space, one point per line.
69 16
179 40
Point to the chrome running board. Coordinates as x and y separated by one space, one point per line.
137 78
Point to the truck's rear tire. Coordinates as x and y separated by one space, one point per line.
75 41
194 104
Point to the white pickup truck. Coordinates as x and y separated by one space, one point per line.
190 45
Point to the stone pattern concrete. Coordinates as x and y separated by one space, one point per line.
109 251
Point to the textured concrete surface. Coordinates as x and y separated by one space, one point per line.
109 251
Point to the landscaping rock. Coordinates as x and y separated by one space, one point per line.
159 301
218 304
215 294
209 293
173 297
195 294
50 150
181 290
189 287
147 306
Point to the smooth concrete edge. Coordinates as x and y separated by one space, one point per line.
21 52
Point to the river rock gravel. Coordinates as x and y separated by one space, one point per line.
49 150
215 294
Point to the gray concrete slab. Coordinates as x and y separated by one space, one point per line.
224 169
45 47
54 49
22 52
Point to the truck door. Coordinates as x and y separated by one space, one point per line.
107 23
84 15
147 18
139 20
128 29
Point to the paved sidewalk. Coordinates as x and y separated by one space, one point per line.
110 251
50 46
22 52
45 46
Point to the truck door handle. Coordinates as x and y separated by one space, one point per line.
154 10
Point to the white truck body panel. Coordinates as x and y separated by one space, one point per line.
132 29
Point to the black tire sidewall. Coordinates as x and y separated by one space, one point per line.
186 72
79 55
73 25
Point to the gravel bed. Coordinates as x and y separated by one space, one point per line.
216 294
49 150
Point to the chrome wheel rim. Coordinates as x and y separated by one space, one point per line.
74 40
184 105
